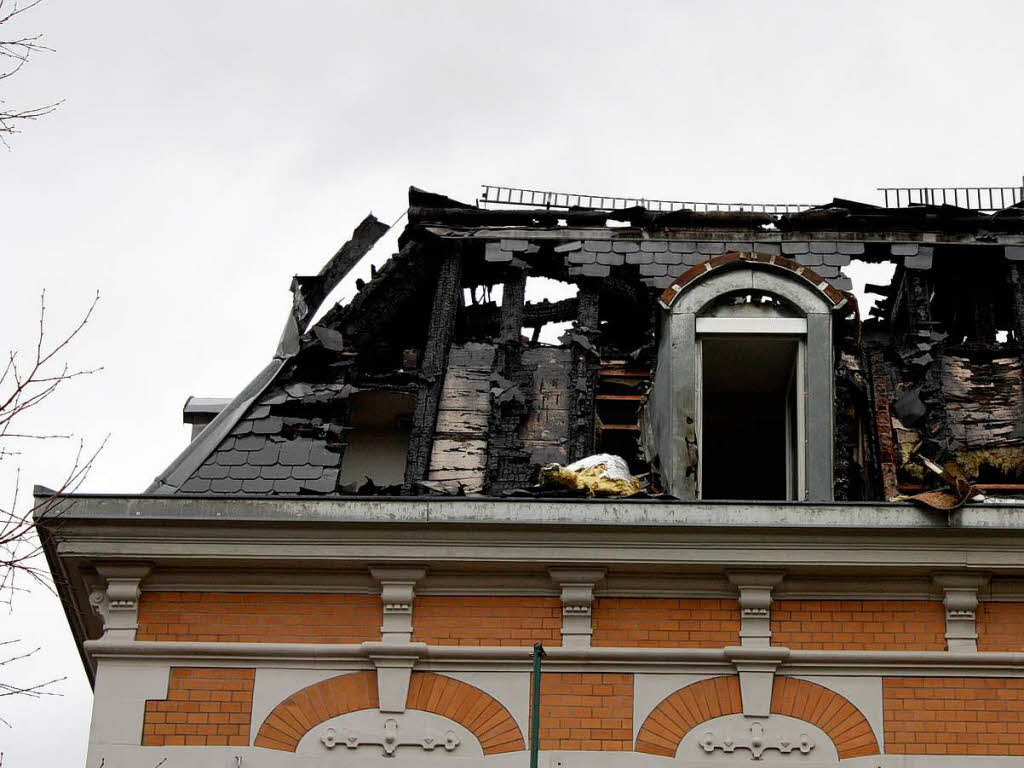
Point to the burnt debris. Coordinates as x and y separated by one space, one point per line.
444 376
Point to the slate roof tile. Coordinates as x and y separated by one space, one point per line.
775 249
850 249
596 270
250 442
307 472
791 249
244 472
268 454
712 249
226 485
809 259
230 458
821 246
321 456
654 246
257 485
295 452
668 258
625 246
196 485
611 259
288 485
268 426
597 246
210 471
640 257
682 246
275 472
837 259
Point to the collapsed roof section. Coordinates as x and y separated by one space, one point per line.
427 381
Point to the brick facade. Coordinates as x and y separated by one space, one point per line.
258 617
586 711
876 625
484 620
953 715
665 622
205 706
481 714
1000 627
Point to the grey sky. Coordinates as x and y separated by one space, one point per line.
207 151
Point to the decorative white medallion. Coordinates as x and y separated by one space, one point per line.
389 739
756 743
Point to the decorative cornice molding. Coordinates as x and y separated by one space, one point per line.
577 596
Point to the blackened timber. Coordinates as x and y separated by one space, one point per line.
586 362
508 461
1015 274
309 291
447 299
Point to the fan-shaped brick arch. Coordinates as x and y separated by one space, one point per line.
834 714
294 717
769 261
673 718
687 708
478 712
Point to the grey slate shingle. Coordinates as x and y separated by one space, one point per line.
307 472
250 442
668 258
682 246
597 246
196 485
837 259
640 257
323 457
230 458
810 259
244 472
581 257
851 249
654 246
693 259
712 249
210 471
295 452
287 485
257 485
792 249
275 472
268 426
596 270
625 246
226 485
842 283
611 259
773 249
823 246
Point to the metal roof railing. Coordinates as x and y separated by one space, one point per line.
494 196
984 199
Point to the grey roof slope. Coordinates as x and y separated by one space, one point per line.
249 449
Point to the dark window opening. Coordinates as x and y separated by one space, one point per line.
751 417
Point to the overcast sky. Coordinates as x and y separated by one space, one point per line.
207 151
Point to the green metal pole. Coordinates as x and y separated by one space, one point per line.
538 653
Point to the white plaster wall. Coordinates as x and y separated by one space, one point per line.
776 727
412 724
119 702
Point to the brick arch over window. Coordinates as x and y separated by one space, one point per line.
734 259
294 717
834 714
680 712
688 707
478 712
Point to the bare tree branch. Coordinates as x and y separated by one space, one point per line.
14 54
26 382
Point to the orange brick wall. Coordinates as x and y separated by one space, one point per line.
586 711
953 715
876 625
659 623
205 706
259 617
1000 626
482 620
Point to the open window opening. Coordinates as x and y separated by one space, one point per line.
751 430
378 442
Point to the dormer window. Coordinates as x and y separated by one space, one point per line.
741 406
751 350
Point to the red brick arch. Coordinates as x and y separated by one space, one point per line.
478 712
761 260
680 712
834 714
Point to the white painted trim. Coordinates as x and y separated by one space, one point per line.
789 326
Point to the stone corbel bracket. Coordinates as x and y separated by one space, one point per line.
577 595
960 598
397 591
117 604
756 668
755 588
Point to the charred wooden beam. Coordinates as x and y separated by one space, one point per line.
585 367
508 461
1015 275
447 300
